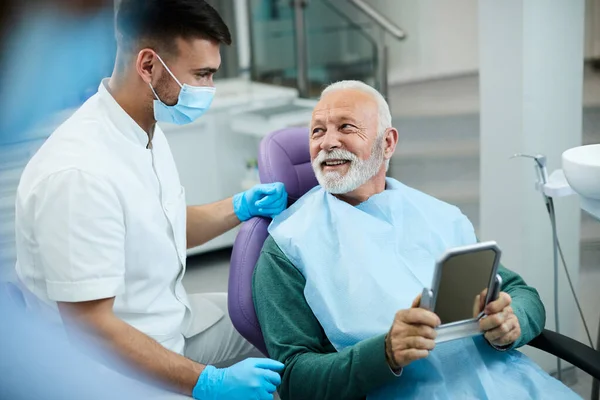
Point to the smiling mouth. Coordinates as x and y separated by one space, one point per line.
334 163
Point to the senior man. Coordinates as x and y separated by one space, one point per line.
349 259
102 224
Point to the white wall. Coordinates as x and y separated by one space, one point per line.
531 102
442 38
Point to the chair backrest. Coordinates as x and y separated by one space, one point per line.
283 157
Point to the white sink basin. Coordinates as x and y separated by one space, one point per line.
581 166
582 170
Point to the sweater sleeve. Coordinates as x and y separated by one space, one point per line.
293 335
526 304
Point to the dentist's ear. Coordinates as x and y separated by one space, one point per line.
145 65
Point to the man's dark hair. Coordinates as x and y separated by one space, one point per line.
157 23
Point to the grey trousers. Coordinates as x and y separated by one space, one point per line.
220 345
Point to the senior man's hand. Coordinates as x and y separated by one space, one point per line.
500 324
411 336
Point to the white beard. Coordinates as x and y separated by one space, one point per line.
359 171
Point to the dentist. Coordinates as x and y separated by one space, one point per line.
102 225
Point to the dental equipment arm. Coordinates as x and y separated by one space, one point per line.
549 190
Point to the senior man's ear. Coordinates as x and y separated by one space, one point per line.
391 140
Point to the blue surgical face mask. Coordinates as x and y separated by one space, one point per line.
193 102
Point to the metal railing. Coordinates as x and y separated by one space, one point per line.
379 19
301 48
382 48
384 24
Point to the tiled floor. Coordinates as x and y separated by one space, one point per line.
583 387
207 273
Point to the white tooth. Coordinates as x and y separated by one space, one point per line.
332 163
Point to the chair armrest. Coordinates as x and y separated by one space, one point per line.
570 350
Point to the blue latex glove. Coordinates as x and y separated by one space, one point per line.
267 200
251 379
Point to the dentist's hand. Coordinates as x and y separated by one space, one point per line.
251 379
266 200
412 335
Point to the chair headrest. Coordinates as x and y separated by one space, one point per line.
284 157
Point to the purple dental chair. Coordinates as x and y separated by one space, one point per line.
284 157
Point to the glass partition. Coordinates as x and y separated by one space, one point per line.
338 37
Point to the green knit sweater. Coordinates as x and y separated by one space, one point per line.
313 368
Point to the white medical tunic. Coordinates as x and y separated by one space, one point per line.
100 215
